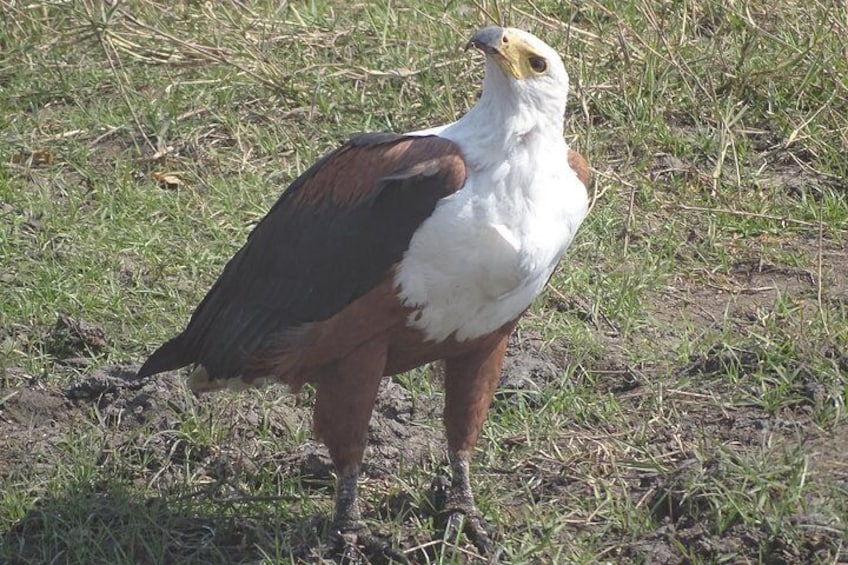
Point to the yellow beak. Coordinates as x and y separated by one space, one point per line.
509 52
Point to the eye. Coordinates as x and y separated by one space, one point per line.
538 64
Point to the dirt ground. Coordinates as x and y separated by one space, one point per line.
133 425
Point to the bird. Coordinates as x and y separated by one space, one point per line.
398 250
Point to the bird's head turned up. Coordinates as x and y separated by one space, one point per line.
525 79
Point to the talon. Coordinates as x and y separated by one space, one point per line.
480 533
350 554
469 522
457 515
454 526
355 544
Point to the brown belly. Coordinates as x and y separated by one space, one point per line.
408 349
314 349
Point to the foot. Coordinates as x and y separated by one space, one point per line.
351 540
457 515
354 543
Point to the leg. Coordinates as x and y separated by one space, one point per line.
470 383
345 399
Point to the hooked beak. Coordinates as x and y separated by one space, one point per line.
504 48
488 40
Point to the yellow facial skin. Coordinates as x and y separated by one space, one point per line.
515 56
517 59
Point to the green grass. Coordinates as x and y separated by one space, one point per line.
698 326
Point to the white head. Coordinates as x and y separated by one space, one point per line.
523 74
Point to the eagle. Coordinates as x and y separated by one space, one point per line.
394 251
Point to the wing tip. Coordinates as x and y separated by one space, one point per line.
148 369
171 355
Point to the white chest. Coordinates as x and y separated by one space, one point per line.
487 251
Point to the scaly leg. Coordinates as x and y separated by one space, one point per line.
470 383
345 399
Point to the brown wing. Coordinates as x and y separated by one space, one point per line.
329 239
580 166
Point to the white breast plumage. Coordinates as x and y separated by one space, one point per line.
488 250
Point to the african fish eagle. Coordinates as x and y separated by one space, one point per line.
398 250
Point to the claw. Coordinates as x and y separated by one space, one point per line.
351 540
456 516
458 521
354 544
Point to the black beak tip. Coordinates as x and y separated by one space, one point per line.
487 40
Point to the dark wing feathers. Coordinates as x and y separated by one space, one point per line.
329 239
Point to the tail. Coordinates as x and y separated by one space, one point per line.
171 355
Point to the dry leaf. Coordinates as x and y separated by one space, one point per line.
167 180
34 158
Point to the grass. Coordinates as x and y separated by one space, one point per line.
691 354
